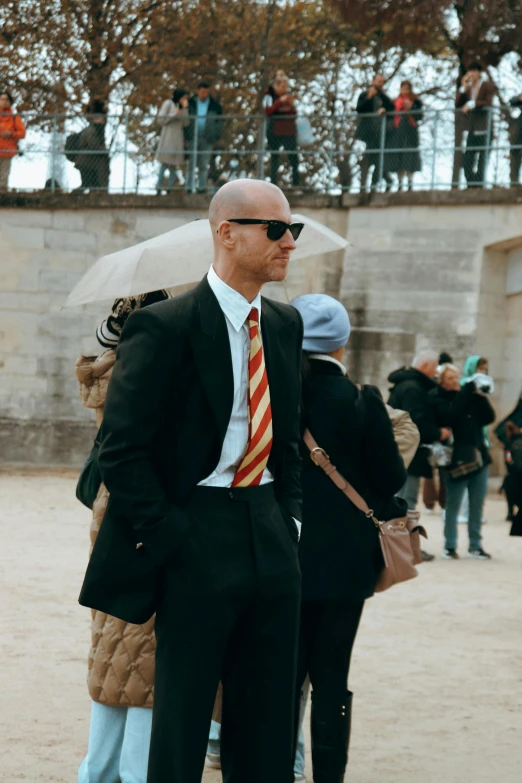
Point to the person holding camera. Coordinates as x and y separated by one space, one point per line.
173 118
474 99
466 410
372 105
281 130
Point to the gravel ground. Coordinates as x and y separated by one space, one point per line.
436 672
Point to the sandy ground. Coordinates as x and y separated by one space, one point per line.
437 671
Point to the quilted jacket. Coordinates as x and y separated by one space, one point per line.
121 657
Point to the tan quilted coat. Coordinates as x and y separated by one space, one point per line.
121 658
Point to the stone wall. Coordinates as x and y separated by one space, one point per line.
437 270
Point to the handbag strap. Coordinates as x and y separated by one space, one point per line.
322 460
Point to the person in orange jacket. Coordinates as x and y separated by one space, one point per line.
12 129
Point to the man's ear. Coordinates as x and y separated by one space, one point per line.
226 234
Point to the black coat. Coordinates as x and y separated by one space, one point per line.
369 128
411 393
166 415
213 125
339 549
466 413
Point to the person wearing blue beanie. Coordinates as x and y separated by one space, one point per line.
339 550
326 323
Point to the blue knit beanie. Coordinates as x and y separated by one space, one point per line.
326 323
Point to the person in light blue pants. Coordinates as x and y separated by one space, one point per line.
119 740
477 486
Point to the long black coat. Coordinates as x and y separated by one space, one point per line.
411 394
466 414
339 550
166 416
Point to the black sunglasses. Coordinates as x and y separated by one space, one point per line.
276 228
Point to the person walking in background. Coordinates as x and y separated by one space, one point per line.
515 141
405 160
372 105
173 118
339 551
201 134
120 675
466 410
279 107
410 393
509 433
475 99
12 130
92 158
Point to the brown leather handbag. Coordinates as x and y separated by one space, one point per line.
399 538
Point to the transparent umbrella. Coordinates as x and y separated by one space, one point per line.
178 259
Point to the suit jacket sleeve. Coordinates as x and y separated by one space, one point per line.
289 492
134 408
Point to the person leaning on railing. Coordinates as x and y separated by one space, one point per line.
12 129
371 105
172 118
475 98
515 138
405 158
279 107
92 160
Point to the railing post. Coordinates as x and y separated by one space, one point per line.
383 146
261 150
488 145
126 152
329 184
53 154
433 162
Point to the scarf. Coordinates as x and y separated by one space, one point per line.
400 106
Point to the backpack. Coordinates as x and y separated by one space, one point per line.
72 146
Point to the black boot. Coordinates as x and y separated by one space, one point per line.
330 729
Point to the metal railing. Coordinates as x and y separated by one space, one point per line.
433 150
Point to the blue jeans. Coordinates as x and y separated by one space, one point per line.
119 739
410 492
161 176
477 486
299 765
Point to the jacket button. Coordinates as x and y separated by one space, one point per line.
138 546
231 495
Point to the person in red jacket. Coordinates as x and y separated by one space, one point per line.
12 129
279 106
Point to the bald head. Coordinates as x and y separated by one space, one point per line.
248 198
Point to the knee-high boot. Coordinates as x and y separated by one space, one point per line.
330 729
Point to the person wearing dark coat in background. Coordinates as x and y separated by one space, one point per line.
404 139
339 551
474 99
372 104
410 393
92 160
515 140
466 411
508 431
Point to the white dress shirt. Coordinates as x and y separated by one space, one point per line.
236 310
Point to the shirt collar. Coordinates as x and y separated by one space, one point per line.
323 357
234 305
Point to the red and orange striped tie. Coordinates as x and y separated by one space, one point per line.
250 471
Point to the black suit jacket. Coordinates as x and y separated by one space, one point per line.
339 550
166 415
213 124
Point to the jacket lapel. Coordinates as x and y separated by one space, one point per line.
211 346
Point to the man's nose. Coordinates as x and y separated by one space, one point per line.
287 241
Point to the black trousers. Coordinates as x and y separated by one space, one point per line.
368 160
326 639
475 159
230 611
515 160
289 144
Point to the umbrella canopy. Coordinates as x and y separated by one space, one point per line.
178 259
